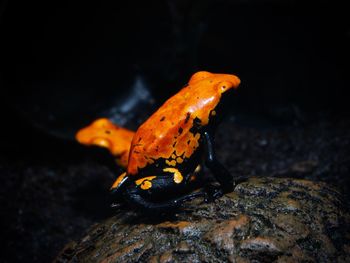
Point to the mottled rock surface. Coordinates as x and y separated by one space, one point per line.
263 220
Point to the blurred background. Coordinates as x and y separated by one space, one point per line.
64 64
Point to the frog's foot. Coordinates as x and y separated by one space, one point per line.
134 197
212 192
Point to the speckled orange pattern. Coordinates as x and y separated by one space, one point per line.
166 134
104 133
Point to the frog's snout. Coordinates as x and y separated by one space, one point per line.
231 82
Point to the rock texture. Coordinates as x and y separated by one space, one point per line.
263 220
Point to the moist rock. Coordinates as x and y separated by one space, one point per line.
262 220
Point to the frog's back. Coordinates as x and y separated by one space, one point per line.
171 132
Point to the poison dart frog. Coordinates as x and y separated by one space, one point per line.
168 149
104 133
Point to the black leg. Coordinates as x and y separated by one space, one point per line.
135 198
220 172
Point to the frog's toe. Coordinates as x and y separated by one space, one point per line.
212 193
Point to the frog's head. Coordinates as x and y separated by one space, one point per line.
220 82
97 133
104 133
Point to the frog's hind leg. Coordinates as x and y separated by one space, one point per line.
147 205
160 193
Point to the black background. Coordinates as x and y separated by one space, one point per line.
68 59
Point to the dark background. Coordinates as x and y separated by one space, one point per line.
65 63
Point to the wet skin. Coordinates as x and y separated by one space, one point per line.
168 150
104 133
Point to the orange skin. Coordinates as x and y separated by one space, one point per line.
104 133
167 133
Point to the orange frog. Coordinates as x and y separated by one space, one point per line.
104 133
168 149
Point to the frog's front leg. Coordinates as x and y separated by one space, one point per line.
221 174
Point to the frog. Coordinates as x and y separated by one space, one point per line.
104 133
169 150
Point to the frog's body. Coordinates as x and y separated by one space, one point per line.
167 150
104 133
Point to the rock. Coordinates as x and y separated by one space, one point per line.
263 220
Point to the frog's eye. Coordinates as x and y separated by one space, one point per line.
224 86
